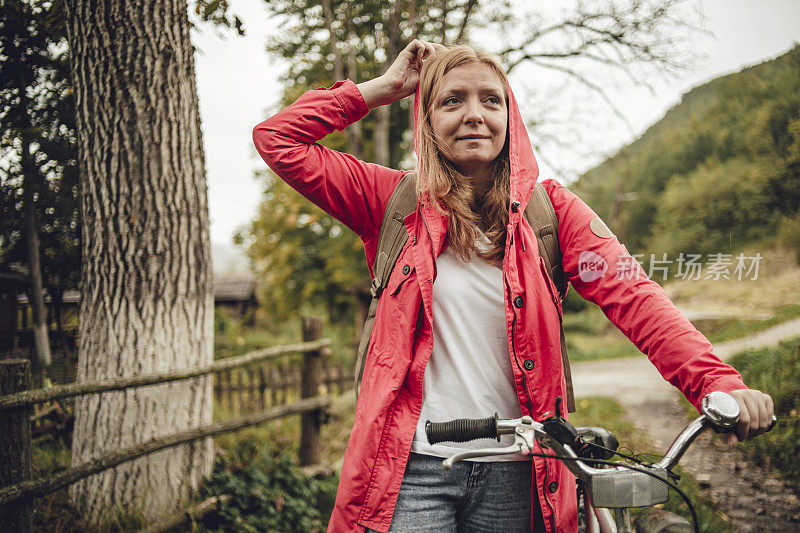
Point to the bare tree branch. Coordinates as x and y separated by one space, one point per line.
591 85
638 33
462 31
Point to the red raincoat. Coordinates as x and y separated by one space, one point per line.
356 193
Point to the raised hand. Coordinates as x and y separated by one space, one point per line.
402 76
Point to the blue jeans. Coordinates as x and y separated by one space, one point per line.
472 496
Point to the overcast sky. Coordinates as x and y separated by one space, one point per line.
238 87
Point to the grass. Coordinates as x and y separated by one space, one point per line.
777 285
608 413
590 335
775 371
232 338
723 330
775 293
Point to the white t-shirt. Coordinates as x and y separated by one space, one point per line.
469 373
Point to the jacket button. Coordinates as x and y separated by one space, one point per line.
406 270
518 301
515 206
528 364
553 486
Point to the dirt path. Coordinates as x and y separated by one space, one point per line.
751 497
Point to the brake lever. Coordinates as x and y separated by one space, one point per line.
523 443
447 464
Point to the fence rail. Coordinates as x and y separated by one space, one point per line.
41 487
31 397
313 385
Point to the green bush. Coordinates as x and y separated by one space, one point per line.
269 493
789 234
223 324
775 371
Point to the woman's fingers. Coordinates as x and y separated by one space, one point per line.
422 49
755 413
430 49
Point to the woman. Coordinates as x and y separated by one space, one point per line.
469 321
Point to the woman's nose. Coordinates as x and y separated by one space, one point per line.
472 112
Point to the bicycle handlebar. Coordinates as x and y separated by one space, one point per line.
720 412
462 430
620 485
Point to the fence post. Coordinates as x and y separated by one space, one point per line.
312 366
15 444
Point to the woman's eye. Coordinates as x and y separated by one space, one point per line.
494 100
450 100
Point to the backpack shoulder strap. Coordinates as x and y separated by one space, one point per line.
393 234
391 239
542 217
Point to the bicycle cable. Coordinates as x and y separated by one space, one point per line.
634 457
631 467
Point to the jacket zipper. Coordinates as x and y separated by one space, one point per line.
527 394
431 239
516 358
552 511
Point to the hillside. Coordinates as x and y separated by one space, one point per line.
720 171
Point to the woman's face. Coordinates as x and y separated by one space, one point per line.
469 116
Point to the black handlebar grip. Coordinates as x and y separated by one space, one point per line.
462 430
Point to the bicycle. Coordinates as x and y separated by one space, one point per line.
617 486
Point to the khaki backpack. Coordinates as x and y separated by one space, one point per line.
393 235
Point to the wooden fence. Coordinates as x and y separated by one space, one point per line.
266 384
275 382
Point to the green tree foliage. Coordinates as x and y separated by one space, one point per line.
37 114
718 207
719 171
306 258
37 109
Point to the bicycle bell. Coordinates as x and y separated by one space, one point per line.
721 409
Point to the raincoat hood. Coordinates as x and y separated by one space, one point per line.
523 165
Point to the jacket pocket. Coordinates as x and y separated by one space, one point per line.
404 270
551 287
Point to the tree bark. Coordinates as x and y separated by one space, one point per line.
41 338
146 303
309 387
15 444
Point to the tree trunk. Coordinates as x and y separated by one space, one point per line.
36 293
354 134
146 303
445 11
57 304
383 114
353 131
412 23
